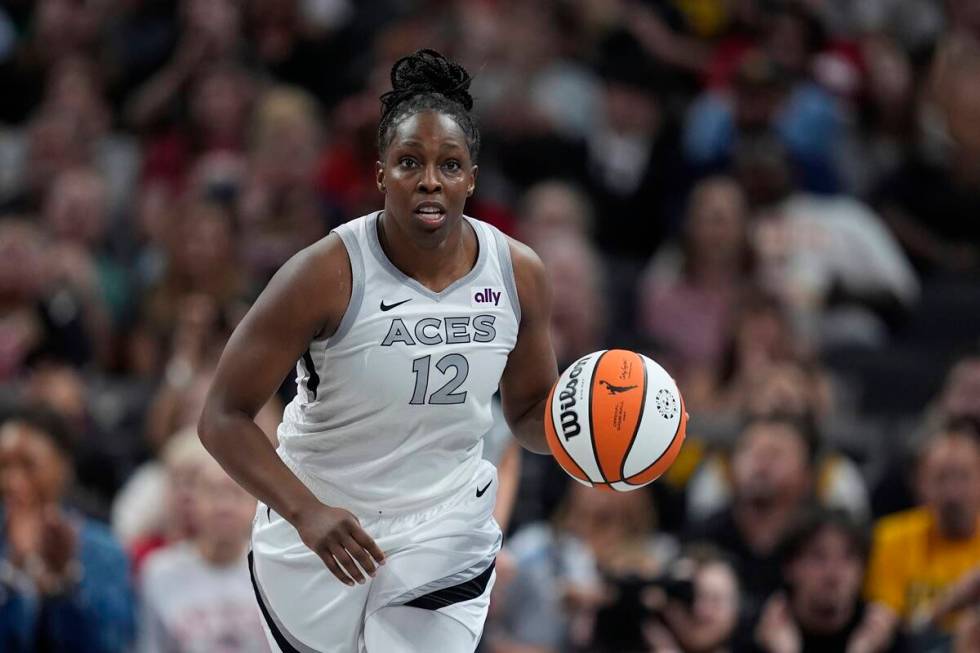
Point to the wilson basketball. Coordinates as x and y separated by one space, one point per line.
615 420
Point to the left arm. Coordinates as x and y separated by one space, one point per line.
531 368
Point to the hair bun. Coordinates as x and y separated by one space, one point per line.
428 71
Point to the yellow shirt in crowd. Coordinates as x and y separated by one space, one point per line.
911 563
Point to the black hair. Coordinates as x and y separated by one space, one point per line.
42 420
427 80
816 518
803 425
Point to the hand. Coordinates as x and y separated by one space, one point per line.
963 593
875 631
776 632
23 529
59 541
967 636
336 536
659 638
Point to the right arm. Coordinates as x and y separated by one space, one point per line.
306 299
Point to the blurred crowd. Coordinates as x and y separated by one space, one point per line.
779 200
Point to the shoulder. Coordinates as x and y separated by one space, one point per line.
530 274
902 527
297 289
327 257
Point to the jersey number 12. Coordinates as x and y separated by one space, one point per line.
447 393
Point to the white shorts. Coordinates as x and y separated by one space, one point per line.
437 560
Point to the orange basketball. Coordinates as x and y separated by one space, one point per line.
615 420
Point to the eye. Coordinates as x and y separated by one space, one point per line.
407 162
452 165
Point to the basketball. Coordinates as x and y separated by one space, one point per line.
615 420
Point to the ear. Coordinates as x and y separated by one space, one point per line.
379 175
472 187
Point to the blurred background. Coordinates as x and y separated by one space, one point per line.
778 200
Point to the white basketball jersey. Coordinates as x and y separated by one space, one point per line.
391 409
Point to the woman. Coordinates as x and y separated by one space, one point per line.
374 528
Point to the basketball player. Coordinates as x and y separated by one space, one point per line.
374 529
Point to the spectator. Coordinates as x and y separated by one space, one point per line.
620 529
709 623
690 291
829 258
203 262
554 209
37 324
577 275
540 602
788 389
197 595
824 562
80 597
760 337
766 101
75 213
157 507
940 235
773 479
279 210
919 553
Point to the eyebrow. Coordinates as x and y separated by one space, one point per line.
445 145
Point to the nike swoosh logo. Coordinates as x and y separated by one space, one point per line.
480 493
388 307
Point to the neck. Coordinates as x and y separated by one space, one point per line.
435 262
220 554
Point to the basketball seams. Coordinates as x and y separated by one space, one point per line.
595 448
639 420
670 446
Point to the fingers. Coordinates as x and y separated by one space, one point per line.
335 569
368 544
347 563
362 557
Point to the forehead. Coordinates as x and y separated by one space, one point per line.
20 439
429 129
952 450
771 435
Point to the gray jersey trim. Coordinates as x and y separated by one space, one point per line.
349 238
507 270
375 245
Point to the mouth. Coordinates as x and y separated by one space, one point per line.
431 213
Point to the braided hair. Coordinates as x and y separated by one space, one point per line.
427 80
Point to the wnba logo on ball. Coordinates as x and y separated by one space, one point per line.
666 404
569 418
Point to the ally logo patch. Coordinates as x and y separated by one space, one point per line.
486 296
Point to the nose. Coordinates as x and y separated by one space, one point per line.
429 181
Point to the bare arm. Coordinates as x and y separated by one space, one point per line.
306 298
508 474
531 368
